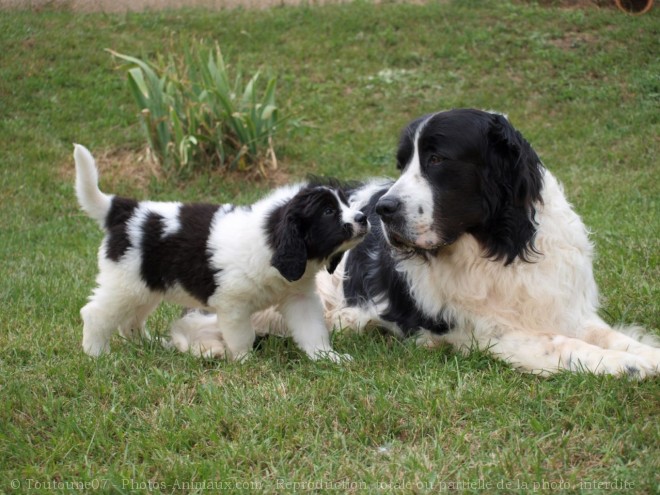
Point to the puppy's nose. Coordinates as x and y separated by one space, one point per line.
388 207
360 218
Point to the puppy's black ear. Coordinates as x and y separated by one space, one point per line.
290 256
334 261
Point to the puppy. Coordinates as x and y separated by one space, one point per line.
230 260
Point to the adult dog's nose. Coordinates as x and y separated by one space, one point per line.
388 207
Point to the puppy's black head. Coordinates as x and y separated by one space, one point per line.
464 171
316 224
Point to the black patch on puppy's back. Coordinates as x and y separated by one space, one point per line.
180 257
121 210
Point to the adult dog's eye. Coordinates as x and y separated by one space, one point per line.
436 159
329 211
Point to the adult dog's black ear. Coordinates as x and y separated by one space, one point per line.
290 256
334 261
512 183
520 163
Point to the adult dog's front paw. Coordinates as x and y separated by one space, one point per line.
621 363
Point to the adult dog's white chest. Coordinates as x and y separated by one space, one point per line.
460 281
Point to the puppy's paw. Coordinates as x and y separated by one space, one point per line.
96 348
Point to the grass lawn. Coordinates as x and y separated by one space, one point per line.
583 85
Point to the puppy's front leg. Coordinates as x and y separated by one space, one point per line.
303 314
236 329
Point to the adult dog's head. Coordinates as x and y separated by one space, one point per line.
464 172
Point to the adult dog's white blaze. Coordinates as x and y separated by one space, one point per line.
416 194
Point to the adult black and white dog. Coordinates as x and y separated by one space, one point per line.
476 244
229 260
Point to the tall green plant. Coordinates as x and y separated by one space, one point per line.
194 115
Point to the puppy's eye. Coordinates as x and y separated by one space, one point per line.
329 211
436 159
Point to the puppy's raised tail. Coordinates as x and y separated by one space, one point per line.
94 202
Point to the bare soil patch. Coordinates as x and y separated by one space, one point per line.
119 167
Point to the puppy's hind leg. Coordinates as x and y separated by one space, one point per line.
97 330
236 329
107 311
